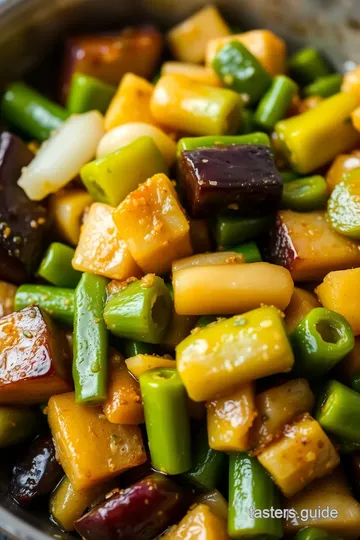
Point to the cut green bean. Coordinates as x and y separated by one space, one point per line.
131 348
307 65
324 86
274 104
193 143
320 341
232 228
140 312
56 267
248 124
239 70
250 251
31 112
355 383
88 93
339 411
252 492
57 302
305 194
90 340
208 464
313 533
166 419
288 176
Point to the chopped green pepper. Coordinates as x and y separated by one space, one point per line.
248 124
324 86
131 348
208 464
305 194
56 266
88 93
193 143
307 65
232 228
250 251
57 302
288 176
274 104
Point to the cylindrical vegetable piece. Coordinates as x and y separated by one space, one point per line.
90 340
287 176
208 464
325 128
142 511
274 104
88 93
186 105
132 347
16 424
230 289
307 65
208 259
305 194
139 364
249 251
344 206
193 143
320 341
141 311
67 209
313 533
56 266
339 411
248 124
200 74
231 228
166 419
31 112
324 86
239 70
215 359
57 302
252 492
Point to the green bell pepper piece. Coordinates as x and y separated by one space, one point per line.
275 102
250 251
324 86
232 228
56 267
57 302
307 65
193 143
208 464
288 176
88 93
305 194
131 348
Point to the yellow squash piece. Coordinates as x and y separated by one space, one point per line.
201 74
131 102
123 404
268 48
230 288
302 301
90 449
217 358
101 249
144 362
154 225
229 420
208 259
199 524
351 83
340 292
67 208
303 454
277 407
188 39
341 165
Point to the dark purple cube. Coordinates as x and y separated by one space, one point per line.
242 175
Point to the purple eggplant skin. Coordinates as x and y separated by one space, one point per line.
36 473
245 176
140 512
23 223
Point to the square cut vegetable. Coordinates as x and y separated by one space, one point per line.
101 250
340 292
188 40
131 102
303 454
302 301
308 247
67 208
201 519
33 358
110 178
200 74
90 449
229 420
340 167
154 225
223 355
212 178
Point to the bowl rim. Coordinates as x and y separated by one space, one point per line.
16 528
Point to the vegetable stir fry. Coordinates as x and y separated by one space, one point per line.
179 304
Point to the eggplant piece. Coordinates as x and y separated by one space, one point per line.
243 176
23 223
142 511
34 358
109 56
36 473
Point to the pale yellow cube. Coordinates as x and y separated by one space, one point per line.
101 250
154 225
188 39
201 74
199 524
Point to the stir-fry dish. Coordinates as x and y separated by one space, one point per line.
180 320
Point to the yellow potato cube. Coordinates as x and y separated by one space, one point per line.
351 83
101 250
340 291
303 454
188 39
302 301
154 225
205 75
90 448
199 524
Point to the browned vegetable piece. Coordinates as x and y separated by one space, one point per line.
307 246
37 471
23 223
109 56
7 295
141 512
302 301
33 358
